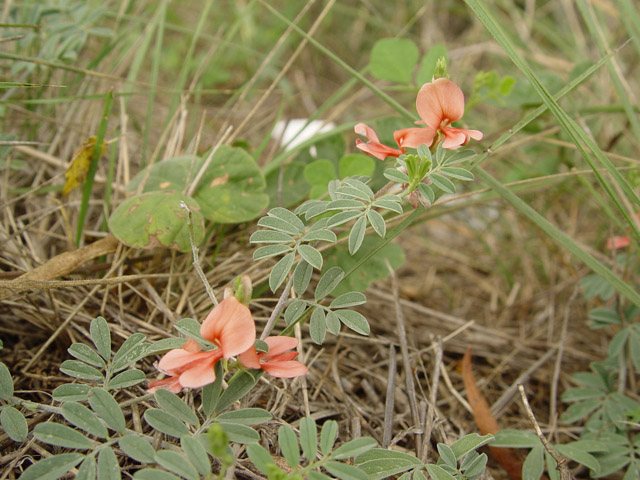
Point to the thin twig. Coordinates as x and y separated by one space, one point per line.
196 261
556 370
404 350
431 412
389 403
277 309
561 461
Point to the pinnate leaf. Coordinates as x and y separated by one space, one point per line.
108 468
172 404
61 436
83 418
165 422
14 424
137 448
53 467
107 408
289 445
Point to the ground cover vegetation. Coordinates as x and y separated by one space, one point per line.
324 239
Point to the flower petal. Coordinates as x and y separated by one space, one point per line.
456 137
366 131
278 345
231 326
288 369
614 243
170 383
199 375
414 137
178 359
438 101
378 150
250 358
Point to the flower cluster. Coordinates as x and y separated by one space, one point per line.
439 104
230 327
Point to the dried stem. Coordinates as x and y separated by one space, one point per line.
277 309
196 261
561 461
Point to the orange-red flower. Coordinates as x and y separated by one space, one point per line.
439 104
278 361
615 243
230 326
373 147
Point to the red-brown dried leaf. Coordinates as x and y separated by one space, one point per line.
486 422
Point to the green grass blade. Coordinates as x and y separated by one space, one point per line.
577 135
596 31
186 64
560 237
631 20
352 71
87 188
155 70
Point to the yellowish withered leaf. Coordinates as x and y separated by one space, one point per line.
79 166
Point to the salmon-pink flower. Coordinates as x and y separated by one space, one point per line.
278 361
230 326
615 243
373 147
439 104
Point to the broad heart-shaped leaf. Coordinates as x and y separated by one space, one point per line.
373 269
288 187
394 59
319 174
428 63
171 175
356 164
232 188
156 219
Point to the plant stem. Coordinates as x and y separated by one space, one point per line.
277 309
